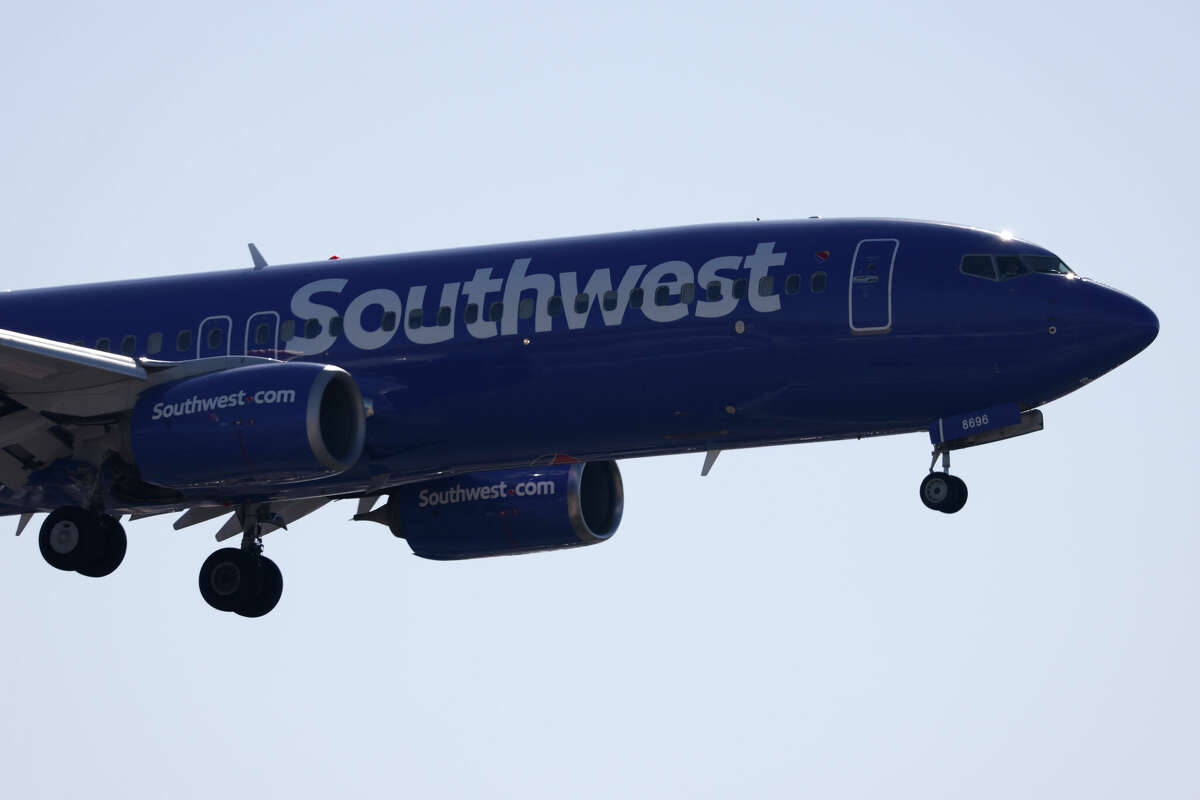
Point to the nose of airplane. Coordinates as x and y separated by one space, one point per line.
1144 325
1136 325
1122 326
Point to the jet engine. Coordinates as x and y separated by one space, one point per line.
506 512
260 424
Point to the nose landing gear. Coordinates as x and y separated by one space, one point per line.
942 491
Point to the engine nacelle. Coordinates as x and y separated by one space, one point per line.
507 512
262 424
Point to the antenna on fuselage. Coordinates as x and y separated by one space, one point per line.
257 257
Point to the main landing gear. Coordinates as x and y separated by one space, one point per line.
74 539
242 580
942 491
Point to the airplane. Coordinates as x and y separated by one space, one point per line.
488 392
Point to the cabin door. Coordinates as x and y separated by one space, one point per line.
871 285
213 339
262 334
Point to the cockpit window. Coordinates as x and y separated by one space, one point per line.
979 266
1048 264
1010 267
1006 267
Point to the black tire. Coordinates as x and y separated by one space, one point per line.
71 536
958 495
270 589
112 552
228 578
937 491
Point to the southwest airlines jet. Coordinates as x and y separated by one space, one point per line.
487 392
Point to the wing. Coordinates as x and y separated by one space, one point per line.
37 372
57 397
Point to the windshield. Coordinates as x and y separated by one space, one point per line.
1049 264
1006 267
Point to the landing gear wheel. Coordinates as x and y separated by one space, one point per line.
227 579
936 490
958 494
71 537
269 590
113 545
943 492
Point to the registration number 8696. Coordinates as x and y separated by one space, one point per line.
970 423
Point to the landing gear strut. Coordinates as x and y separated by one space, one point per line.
242 580
942 491
74 539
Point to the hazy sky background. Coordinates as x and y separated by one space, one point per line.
796 624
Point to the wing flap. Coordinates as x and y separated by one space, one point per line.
12 472
19 424
44 446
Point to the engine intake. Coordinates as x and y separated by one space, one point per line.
261 424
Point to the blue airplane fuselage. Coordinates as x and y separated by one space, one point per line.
651 342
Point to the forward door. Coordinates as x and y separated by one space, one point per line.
871 285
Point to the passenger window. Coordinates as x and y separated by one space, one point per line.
662 296
739 288
470 313
444 316
554 306
766 286
128 345
183 342
154 344
288 329
261 332
496 311
712 292
979 266
792 284
687 293
525 308
335 326
610 301
582 303
818 281
216 337
78 343
312 329
103 344
636 298
414 318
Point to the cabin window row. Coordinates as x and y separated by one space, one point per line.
128 345
493 312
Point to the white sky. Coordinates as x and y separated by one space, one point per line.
795 624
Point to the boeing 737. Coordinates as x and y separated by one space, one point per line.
485 394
